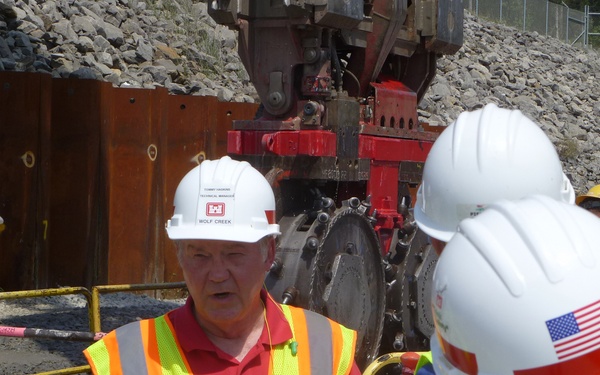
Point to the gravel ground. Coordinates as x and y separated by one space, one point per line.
31 355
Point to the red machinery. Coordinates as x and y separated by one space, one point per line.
339 139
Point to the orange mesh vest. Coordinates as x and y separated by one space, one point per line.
151 347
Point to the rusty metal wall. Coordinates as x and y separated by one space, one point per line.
187 140
78 110
91 209
132 182
24 178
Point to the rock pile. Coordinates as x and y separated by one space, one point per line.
555 84
170 43
174 43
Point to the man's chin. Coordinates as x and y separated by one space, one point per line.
222 311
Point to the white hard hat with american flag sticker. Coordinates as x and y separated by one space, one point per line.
517 291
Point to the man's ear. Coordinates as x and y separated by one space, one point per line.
271 247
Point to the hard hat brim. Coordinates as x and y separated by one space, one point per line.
237 234
581 198
430 227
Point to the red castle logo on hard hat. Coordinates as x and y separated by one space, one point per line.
270 216
215 209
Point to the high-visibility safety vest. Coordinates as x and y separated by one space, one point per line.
425 364
318 346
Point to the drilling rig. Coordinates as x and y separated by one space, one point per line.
338 137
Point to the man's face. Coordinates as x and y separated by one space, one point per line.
224 278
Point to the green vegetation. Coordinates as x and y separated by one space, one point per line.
594 26
563 20
567 149
184 15
579 4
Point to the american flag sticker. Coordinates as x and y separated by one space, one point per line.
215 209
577 332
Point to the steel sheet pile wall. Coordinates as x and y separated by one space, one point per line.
24 155
74 223
87 177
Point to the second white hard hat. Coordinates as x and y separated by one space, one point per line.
516 292
486 155
223 199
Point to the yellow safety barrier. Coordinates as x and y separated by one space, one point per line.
53 292
97 290
67 371
93 303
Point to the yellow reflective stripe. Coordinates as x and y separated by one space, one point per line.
342 338
98 358
171 358
284 362
348 339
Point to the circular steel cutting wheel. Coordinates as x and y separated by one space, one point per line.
347 281
409 323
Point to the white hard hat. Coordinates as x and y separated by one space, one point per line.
516 291
223 199
486 155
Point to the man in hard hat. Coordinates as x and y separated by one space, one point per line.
591 200
485 155
224 227
516 292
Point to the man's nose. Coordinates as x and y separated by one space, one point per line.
219 271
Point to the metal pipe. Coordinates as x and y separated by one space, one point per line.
567 26
547 16
524 14
42 333
67 371
586 19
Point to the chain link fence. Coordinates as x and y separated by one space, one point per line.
550 19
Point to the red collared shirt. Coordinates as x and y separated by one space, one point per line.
205 358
